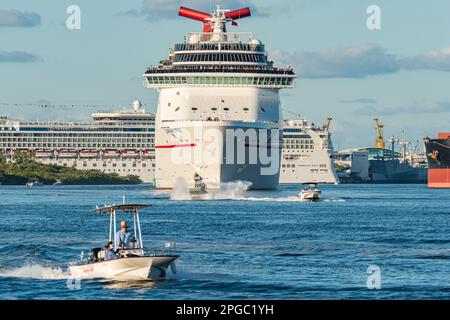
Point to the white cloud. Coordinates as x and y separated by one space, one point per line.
352 62
168 9
433 60
359 101
359 62
418 107
18 56
15 18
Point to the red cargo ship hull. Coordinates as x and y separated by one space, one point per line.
438 178
438 156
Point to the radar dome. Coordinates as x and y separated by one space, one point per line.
255 42
137 105
194 38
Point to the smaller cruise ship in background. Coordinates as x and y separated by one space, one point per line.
307 153
115 142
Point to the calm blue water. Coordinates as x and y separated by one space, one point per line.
258 245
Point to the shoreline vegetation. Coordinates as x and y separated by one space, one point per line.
24 168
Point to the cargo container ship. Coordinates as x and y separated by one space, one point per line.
438 156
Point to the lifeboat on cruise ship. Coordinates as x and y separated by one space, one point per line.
111 153
88 153
65 153
130 153
43 153
148 153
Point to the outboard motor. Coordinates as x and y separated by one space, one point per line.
95 253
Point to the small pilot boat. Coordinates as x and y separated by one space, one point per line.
34 182
199 186
129 264
310 193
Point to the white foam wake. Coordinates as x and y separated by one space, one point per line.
262 199
35 271
228 191
285 199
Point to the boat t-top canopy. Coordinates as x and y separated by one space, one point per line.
125 208
131 208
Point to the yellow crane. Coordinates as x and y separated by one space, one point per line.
326 126
379 141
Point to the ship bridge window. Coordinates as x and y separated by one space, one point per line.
228 57
214 109
246 109
194 109
226 109
178 108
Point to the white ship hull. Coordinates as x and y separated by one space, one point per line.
193 139
208 157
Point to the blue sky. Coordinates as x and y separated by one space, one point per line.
400 73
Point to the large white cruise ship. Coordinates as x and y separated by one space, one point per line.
307 155
218 106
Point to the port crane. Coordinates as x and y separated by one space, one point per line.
379 141
326 126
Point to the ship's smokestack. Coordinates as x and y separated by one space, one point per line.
205 18
238 14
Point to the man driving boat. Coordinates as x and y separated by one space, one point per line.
123 236
110 254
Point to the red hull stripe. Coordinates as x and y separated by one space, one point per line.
443 135
438 184
164 188
171 146
439 178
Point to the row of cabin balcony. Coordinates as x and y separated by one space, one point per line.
207 46
43 145
7 136
220 57
85 140
222 68
265 82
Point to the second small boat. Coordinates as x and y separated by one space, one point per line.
310 193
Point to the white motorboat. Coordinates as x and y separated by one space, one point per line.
310 193
128 264
34 183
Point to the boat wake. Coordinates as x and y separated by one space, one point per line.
35 271
286 199
270 199
229 191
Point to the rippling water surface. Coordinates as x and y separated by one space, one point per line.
236 244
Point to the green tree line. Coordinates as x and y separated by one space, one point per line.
25 168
